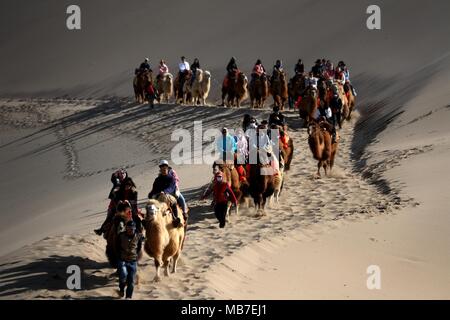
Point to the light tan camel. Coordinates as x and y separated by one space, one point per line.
197 88
163 241
164 85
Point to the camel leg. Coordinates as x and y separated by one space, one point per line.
158 263
325 167
166 267
319 164
175 260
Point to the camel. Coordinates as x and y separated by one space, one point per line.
206 87
236 90
322 148
140 84
308 106
261 186
163 241
295 88
344 111
164 86
187 89
350 100
259 91
278 181
279 89
179 92
287 151
201 87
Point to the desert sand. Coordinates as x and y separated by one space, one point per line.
68 120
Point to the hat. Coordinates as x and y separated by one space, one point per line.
163 163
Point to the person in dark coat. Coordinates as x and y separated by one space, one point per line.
130 246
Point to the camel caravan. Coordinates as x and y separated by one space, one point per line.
252 161
310 92
191 86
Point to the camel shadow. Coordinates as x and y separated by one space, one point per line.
50 274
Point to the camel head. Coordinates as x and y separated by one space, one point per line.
242 78
154 209
206 75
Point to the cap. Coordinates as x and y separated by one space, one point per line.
163 163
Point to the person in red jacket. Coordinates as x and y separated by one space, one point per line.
222 193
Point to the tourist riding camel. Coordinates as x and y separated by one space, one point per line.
129 249
166 184
299 67
145 66
194 66
178 195
317 69
183 69
277 68
226 147
163 69
126 192
277 118
232 67
232 71
258 70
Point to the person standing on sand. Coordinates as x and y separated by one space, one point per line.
130 245
222 193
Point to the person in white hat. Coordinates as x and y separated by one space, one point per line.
145 66
166 183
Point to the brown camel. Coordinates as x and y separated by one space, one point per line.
261 186
321 146
308 106
163 241
287 149
345 112
179 86
235 91
259 91
279 89
140 83
350 100
296 87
